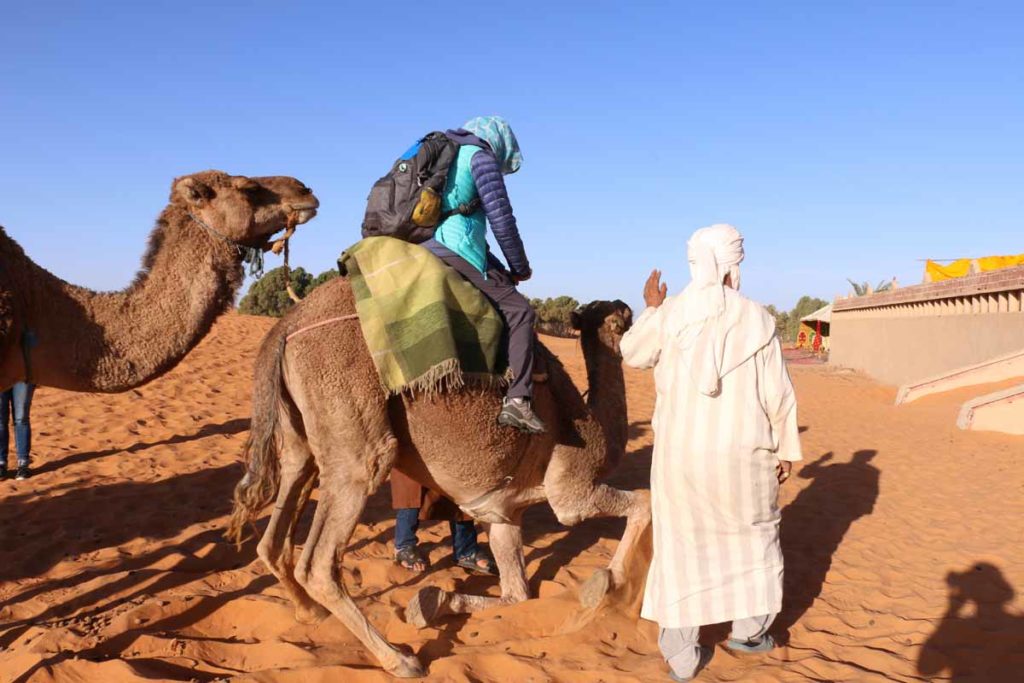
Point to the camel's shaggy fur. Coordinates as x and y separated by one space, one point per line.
113 341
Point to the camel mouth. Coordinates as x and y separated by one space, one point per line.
304 215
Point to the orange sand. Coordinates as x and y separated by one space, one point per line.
113 568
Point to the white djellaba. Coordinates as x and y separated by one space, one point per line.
725 416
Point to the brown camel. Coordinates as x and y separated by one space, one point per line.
318 399
73 338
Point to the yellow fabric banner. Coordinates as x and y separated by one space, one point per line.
936 272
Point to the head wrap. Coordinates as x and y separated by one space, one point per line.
496 132
716 329
713 252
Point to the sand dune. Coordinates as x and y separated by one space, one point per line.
902 538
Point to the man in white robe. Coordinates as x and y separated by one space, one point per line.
725 437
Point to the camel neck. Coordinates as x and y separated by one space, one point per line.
113 341
606 396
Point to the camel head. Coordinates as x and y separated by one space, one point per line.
247 211
607 321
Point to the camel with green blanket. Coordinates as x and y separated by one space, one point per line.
344 389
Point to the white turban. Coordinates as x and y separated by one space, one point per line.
713 252
702 322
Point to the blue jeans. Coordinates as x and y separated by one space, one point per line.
16 400
407 521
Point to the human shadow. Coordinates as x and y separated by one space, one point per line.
987 645
814 524
225 428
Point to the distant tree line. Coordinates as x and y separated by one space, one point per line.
554 315
268 295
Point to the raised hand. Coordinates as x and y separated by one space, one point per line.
654 291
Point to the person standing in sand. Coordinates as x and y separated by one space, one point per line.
16 403
725 438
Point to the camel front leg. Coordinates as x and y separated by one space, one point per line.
622 569
341 503
431 604
573 503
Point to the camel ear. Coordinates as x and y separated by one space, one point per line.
576 320
194 192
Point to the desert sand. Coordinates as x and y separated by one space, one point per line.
902 537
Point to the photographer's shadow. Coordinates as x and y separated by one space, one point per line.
986 645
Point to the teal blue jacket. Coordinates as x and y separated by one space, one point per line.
465 235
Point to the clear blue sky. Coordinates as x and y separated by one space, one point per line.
843 139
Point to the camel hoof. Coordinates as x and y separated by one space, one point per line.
408 666
426 606
594 589
311 615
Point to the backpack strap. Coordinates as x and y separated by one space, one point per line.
463 209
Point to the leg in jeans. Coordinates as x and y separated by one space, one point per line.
463 538
407 522
681 650
21 405
5 418
515 309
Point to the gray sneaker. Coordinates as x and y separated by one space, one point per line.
23 473
518 414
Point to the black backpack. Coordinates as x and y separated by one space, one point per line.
406 203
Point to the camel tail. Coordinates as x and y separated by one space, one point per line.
262 464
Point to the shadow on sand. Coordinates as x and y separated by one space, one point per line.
978 639
814 524
226 428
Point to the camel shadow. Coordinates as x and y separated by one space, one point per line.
225 428
814 524
115 647
983 646
44 531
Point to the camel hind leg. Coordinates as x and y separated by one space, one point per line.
276 547
342 500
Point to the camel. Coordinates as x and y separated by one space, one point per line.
69 337
319 409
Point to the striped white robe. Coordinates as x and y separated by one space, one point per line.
717 555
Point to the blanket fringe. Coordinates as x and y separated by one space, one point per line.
446 377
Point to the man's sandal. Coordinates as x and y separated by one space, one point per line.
471 563
409 557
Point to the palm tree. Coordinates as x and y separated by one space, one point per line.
864 289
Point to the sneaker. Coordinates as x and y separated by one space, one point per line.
23 473
762 644
518 414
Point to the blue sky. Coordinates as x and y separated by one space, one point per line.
843 139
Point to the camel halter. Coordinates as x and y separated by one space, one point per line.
253 256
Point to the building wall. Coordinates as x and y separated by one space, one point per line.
917 332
